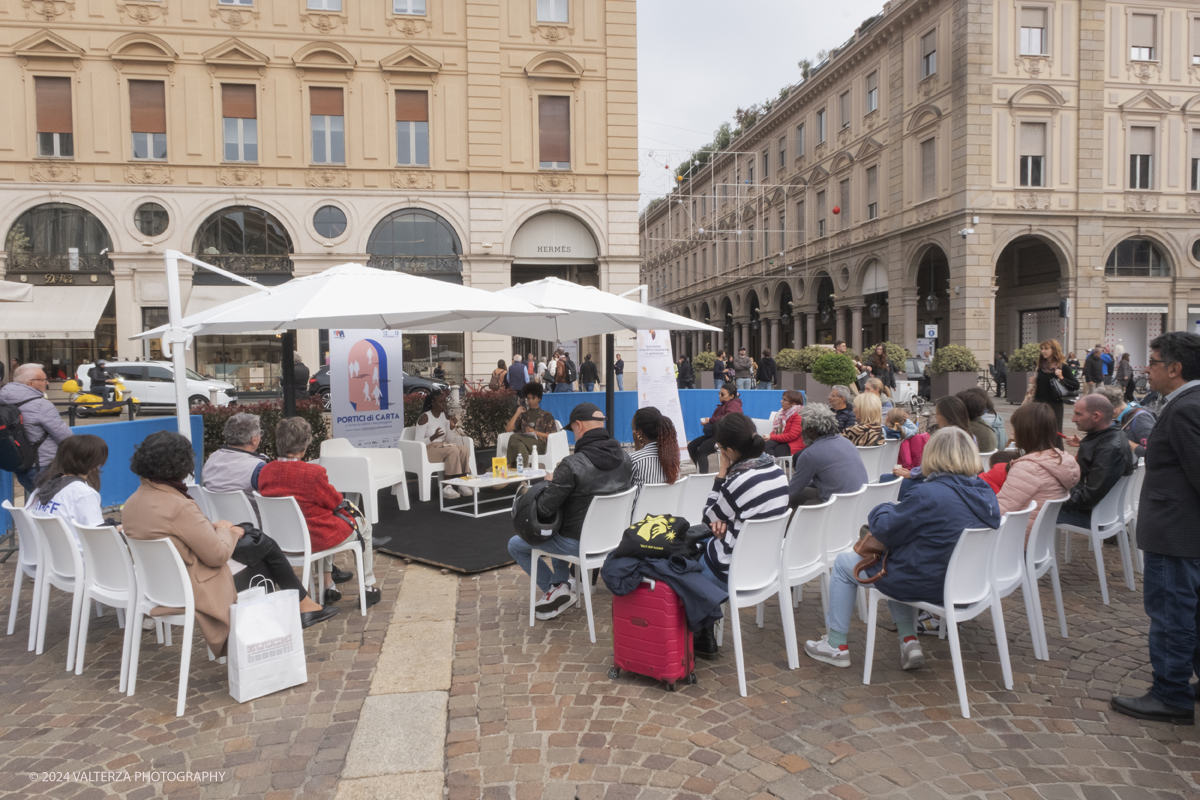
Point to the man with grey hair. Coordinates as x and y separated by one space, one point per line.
300 376
43 423
840 400
828 464
1103 458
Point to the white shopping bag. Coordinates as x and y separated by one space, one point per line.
266 646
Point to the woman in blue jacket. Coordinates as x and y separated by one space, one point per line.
920 533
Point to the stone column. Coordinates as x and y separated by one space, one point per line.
797 322
908 316
840 326
856 342
695 344
810 321
719 337
774 337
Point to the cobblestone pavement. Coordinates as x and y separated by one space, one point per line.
533 714
292 744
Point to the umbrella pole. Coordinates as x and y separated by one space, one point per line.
176 339
288 368
610 379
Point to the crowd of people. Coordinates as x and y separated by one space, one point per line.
559 373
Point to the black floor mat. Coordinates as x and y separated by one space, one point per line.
434 537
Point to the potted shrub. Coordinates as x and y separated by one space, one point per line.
484 415
1022 365
832 369
702 366
953 369
795 366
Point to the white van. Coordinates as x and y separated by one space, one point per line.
153 383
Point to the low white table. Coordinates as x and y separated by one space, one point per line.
469 507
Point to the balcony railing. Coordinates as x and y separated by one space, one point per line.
418 265
48 263
250 265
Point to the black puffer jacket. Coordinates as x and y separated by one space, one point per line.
597 467
1104 456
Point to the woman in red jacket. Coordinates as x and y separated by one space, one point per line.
705 444
290 476
785 439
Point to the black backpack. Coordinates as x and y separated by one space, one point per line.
17 453
572 376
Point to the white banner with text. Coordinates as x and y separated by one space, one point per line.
366 386
656 384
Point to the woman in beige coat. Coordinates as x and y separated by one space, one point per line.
162 508
1044 472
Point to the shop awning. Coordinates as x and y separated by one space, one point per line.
57 312
13 292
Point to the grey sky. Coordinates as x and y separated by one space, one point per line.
699 60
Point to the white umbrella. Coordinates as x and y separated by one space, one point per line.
11 292
355 296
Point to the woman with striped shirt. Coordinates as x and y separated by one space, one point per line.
656 449
748 486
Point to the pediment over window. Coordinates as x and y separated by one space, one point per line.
142 48
46 44
775 197
748 214
1192 106
554 65
841 161
1146 101
410 61
232 53
324 56
923 116
870 145
817 175
1036 97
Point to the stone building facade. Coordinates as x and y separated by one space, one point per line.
1009 172
485 142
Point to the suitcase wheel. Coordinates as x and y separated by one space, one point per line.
691 679
614 673
671 686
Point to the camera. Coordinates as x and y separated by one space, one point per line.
965 232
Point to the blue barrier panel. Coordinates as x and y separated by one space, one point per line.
695 403
117 483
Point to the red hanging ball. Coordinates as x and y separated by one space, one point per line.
837 210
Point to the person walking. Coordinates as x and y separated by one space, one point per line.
561 384
1052 368
1000 372
589 376
43 423
743 371
619 372
1166 532
1093 370
719 371
686 377
518 376
1125 377
766 371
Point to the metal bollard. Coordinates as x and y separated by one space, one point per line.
71 415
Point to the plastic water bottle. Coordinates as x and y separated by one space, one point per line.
520 464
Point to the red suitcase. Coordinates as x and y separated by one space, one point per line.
651 636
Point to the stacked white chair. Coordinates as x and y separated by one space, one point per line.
969 591
695 495
841 532
603 527
108 576
1041 556
284 522
876 494
803 561
1133 499
1108 520
873 458
659 498
28 558
890 456
985 460
365 470
1010 573
196 493
62 564
233 507
754 577
416 459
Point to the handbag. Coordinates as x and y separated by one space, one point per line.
873 552
266 646
1058 388
654 536
252 547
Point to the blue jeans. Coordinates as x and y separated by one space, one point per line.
27 478
843 593
1071 516
745 384
562 387
522 553
1171 596
718 383
763 385
620 382
589 387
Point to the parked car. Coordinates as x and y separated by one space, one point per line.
914 370
318 384
153 383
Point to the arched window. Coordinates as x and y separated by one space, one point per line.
244 239
418 242
1137 258
58 237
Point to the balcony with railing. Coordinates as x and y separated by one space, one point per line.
439 267
55 263
241 264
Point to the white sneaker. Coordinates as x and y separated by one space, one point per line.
147 623
911 655
465 491
555 601
821 650
449 492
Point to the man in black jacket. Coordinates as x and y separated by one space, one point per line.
839 401
1103 458
1093 370
597 467
589 376
719 371
686 379
766 371
1167 532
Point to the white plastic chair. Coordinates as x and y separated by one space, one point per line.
1008 564
365 470
969 591
63 567
1108 519
841 531
233 507
1133 499
196 493
890 456
876 494
763 426
985 459
284 522
658 498
872 458
416 459
1041 556
557 448
803 561
695 496
28 557
754 575
606 521
108 576
162 580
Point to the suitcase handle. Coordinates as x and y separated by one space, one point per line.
639 622
650 581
